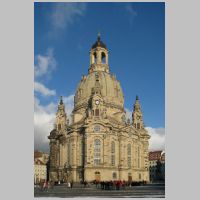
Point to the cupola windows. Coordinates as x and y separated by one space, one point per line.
94 58
99 57
103 58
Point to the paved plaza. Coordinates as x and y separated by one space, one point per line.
147 191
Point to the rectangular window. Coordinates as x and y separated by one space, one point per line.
59 126
114 175
97 161
138 157
113 160
97 112
129 161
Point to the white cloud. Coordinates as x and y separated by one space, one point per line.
40 88
45 64
128 114
69 104
157 140
44 119
132 13
65 14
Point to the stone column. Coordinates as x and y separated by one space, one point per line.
98 57
106 58
91 58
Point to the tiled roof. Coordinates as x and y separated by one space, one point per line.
155 155
38 162
37 154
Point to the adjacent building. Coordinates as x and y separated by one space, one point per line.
40 171
157 166
40 166
44 157
99 143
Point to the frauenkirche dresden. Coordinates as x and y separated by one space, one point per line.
99 143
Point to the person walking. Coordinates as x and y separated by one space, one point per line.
71 184
45 185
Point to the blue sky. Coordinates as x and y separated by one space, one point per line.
135 37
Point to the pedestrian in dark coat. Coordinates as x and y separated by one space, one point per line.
72 184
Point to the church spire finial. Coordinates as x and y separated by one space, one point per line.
99 36
61 100
137 115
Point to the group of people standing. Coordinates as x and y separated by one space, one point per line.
110 185
116 184
104 185
46 185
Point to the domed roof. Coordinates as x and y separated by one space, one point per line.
53 133
110 89
99 43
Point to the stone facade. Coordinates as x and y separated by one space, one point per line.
99 143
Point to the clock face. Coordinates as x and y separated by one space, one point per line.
97 102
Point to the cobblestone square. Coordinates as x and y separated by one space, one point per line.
147 191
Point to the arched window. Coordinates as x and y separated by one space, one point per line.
96 112
113 153
59 127
113 147
138 125
138 156
95 58
129 155
129 177
103 57
97 152
81 152
139 176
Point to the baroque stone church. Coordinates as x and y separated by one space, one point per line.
99 143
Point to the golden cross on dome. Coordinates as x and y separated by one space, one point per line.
99 35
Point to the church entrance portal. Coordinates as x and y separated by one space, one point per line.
129 177
97 176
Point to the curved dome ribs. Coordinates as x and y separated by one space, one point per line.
110 89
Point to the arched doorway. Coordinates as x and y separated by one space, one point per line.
129 177
97 176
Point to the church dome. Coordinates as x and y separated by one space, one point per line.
99 43
110 90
